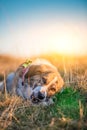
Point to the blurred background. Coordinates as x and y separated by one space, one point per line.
57 31
34 27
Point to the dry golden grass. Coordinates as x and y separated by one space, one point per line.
15 113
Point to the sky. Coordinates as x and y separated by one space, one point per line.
33 27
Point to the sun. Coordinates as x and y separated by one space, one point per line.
66 43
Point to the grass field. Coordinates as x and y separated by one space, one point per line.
69 111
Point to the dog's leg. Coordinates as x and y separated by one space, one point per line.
9 81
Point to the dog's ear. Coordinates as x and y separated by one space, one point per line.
59 83
53 82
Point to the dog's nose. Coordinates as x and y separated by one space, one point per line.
41 95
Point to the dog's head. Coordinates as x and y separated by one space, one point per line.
44 80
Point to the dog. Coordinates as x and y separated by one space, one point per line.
40 82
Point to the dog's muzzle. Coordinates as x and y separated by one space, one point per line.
38 95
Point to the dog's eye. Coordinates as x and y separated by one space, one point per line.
44 80
57 82
53 89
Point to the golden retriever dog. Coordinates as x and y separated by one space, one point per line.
38 83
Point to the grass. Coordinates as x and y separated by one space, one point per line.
68 103
64 113
69 111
